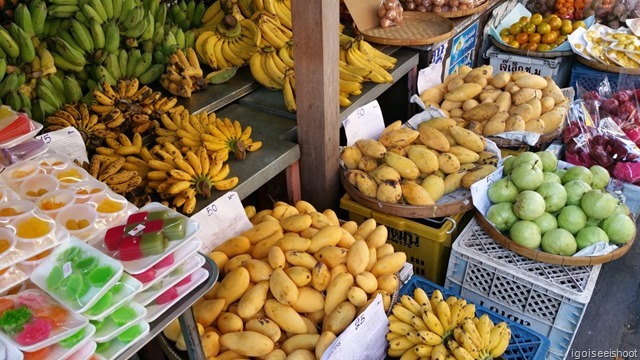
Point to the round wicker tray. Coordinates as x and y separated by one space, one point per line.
546 257
529 53
417 28
408 211
607 68
461 13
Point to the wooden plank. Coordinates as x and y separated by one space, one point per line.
315 24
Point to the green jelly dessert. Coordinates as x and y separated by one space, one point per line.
123 315
98 324
74 287
130 334
86 264
103 304
157 215
153 244
175 228
119 286
55 277
70 255
100 276
72 340
102 347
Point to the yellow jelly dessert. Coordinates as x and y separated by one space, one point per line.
72 224
84 191
4 245
38 192
55 163
32 228
20 173
40 256
51 204
109 206
9 211
71 175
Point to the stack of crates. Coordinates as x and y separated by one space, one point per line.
550 299
427 242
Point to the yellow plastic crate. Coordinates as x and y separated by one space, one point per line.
427 248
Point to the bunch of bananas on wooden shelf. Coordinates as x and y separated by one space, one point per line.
116 172
180 178
217 136
129 107
183 75
230 44
436 328
92 130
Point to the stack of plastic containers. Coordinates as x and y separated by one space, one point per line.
17 140
158 249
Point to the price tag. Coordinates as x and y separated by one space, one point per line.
67 141
432 74
136 230
364 338
364 123
221 220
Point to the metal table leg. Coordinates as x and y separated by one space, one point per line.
191 336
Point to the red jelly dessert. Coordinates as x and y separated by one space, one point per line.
137 218
166 261
129 249
18 127
146 276
167 296
113 237
184 281
35 331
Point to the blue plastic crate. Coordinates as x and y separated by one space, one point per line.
589 78
525 344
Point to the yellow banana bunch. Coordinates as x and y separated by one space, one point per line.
267 68
230 44
212 16
127 107
273 31
289 91
359 53
112 170
92 130
183 75
423 327
180 178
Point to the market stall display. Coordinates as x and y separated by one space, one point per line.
555 214
448 9
607 49
320 268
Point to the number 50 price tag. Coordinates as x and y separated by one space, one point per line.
364 123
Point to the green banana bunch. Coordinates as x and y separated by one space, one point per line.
22 17
72 89
82 35
27 51
38 10
48 93
65 56
11 82
112 38
8 44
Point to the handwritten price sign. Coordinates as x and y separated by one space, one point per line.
366 122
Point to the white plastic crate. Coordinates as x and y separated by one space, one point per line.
558 68
550 299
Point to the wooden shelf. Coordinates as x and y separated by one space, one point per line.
273 102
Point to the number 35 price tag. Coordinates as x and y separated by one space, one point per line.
364 123
221 220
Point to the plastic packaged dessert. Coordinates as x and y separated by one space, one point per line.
11 278
15 174
16 128
146 237
159 270
70 175
51 162
64 348
117 322
170 280
36 186
77 275
29 149
7 194
86 189
32 320
84 352
111 208
122 292
113 348
28 265
12 210
79 219
164 301
53 202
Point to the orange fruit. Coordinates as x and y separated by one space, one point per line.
548 38
522 38
505 32
529 28
535 38
566 29
514 44
555 23
578 24
505 38
523 20
544 28
536 19
543 47
515 29
531 46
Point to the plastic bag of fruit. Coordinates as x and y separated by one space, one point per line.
612 13
390 13
438 6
